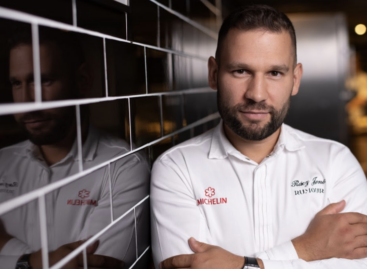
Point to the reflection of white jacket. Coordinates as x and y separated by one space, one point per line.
80 209
207 189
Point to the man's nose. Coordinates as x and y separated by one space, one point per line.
256 89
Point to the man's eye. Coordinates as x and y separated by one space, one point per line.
15 83
46 81
275 73
240 71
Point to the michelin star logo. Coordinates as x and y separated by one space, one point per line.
210 192
83 194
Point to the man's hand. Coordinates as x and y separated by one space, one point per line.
94 261
205 257
333 234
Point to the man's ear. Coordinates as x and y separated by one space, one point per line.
212 73
83 80
297 76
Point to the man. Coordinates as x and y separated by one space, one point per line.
81 209
254 186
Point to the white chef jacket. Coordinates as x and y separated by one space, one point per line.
80 209
206 189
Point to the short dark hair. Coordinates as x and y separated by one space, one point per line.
256 17
67 42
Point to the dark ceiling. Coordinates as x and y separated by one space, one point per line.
355 12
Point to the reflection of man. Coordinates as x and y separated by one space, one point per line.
253 186
80 209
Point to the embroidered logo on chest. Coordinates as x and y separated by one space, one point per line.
8 187
315 185
83 194
210 192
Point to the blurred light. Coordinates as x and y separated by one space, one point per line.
360 29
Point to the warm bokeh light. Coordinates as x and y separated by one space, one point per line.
360 29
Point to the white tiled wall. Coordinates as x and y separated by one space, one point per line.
184 39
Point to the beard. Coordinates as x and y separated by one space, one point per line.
253 131
57 125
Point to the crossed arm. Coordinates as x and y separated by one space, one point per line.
329 235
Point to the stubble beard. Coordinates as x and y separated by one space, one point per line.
56 131
253 131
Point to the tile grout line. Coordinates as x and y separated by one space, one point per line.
161 113
158 27
74 13
126 27
146 70
129 111
136 235
139 257
211 7
36 63
170 72
85 260
79 138
105 66
110 186
12 108
43 231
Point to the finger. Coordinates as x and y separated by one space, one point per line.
360 241
354 218
197 246
179 261
75 245
359 253
332 208
359 229
92 247
101 261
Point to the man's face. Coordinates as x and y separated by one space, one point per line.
255 80
58 83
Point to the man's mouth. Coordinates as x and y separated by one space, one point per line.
35 123
255 115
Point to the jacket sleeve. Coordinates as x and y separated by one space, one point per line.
349 184
11 252
175 214
8 262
